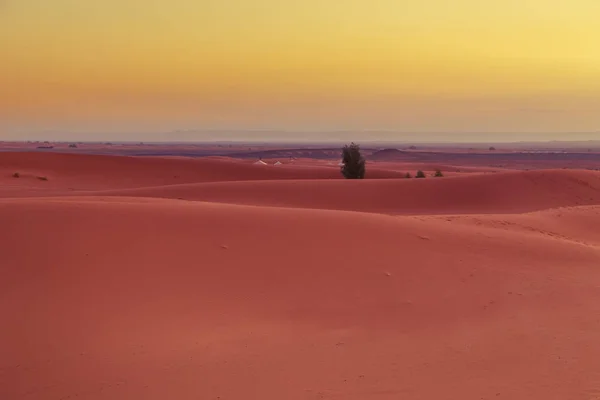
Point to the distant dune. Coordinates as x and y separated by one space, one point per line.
509 192
97 172
236 281
390 154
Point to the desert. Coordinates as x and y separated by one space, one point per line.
212 277
299 200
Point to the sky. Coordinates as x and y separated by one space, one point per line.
462 69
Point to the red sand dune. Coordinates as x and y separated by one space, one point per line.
121 297
97 172
507 192
120 171
413 167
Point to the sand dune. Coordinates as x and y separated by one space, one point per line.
575 224
96 171
412 167
509 192
299 186
73 172
261 286
153 298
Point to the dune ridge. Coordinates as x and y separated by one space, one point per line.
507 192
235 182
95 172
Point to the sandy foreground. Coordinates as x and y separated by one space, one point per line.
155 278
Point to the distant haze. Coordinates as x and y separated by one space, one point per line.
431 70
304 136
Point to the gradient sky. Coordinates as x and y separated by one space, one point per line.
94 68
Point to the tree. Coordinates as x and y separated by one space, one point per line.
492 148
408 175
438 173
354 163
420 174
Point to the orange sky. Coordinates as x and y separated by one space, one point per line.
433 65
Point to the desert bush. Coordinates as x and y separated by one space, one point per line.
354 163
42 178
492 148
438 173
16 175
421 174
408 175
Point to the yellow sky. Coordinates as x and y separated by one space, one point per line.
511 65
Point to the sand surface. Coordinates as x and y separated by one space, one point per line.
232 281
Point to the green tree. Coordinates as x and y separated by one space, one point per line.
354 163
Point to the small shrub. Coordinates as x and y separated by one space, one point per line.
16 175
438 173
492 148
42 178
421 174
408 175
354 163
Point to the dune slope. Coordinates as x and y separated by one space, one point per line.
131 298
76 172
507 192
